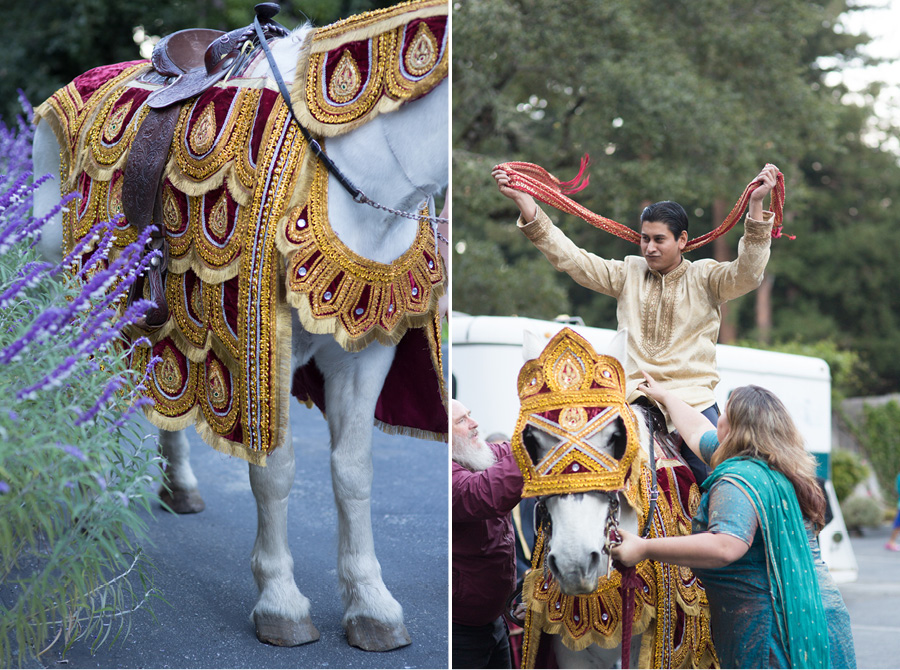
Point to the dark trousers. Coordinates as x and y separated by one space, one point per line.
481 646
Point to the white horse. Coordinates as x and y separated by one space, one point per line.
576 527
398 159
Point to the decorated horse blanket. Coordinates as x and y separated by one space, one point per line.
671 611
245 213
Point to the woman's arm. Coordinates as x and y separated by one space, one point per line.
691 424
702 550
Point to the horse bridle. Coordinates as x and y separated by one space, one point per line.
319 152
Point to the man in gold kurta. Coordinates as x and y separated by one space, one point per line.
670 305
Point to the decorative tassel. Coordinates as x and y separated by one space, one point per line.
629 582
573 185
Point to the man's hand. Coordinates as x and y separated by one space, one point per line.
524 202
767 178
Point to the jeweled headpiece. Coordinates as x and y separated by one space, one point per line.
572 393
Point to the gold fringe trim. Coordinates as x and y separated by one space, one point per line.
194 262
194 353
411 432
366 25
195 418
332 325
224 175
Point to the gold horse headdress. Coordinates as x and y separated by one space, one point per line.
572 393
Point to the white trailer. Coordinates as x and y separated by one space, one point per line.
486 355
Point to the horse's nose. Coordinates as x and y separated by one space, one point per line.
594 563
551 562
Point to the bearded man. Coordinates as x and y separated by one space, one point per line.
487 484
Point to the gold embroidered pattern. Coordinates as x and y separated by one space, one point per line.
575 464
353 297
218 217
115 122
171 210
346 79
203 132
422 53
657 321
406 60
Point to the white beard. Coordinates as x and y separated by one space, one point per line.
473 453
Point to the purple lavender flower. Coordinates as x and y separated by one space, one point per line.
4 487
52 379
72 450
114 385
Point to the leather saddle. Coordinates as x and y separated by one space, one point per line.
192 60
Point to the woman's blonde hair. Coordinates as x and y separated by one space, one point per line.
760 427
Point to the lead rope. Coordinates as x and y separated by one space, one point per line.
629 580
319 153
537 182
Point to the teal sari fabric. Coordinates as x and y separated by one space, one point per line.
743 617
793 582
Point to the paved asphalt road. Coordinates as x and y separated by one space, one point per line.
874 601
203 563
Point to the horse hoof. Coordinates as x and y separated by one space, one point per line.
284 632
372 635
182 502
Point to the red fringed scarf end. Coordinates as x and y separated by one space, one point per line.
537 182
576 184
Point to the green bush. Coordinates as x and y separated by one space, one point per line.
73 472
847 470
862 512
879 435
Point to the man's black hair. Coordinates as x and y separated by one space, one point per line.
668 212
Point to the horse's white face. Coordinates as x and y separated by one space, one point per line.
578 520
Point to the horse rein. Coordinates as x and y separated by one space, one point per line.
319 152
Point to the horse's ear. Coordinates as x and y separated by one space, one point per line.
532 344
618 349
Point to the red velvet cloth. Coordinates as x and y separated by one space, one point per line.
411 396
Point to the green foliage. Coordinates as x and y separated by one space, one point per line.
879 435
670 104
71 566
850 374
847 470
861 512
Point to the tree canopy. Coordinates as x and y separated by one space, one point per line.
680 101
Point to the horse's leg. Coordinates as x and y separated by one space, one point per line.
373 619
45 158
281 613
179 490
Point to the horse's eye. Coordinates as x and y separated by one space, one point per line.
532 444
619 440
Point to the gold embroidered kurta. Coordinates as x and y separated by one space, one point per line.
673 319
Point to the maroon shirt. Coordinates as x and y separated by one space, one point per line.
484 547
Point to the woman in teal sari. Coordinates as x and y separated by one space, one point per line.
772 601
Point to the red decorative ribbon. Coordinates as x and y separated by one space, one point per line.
537 182
629 582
